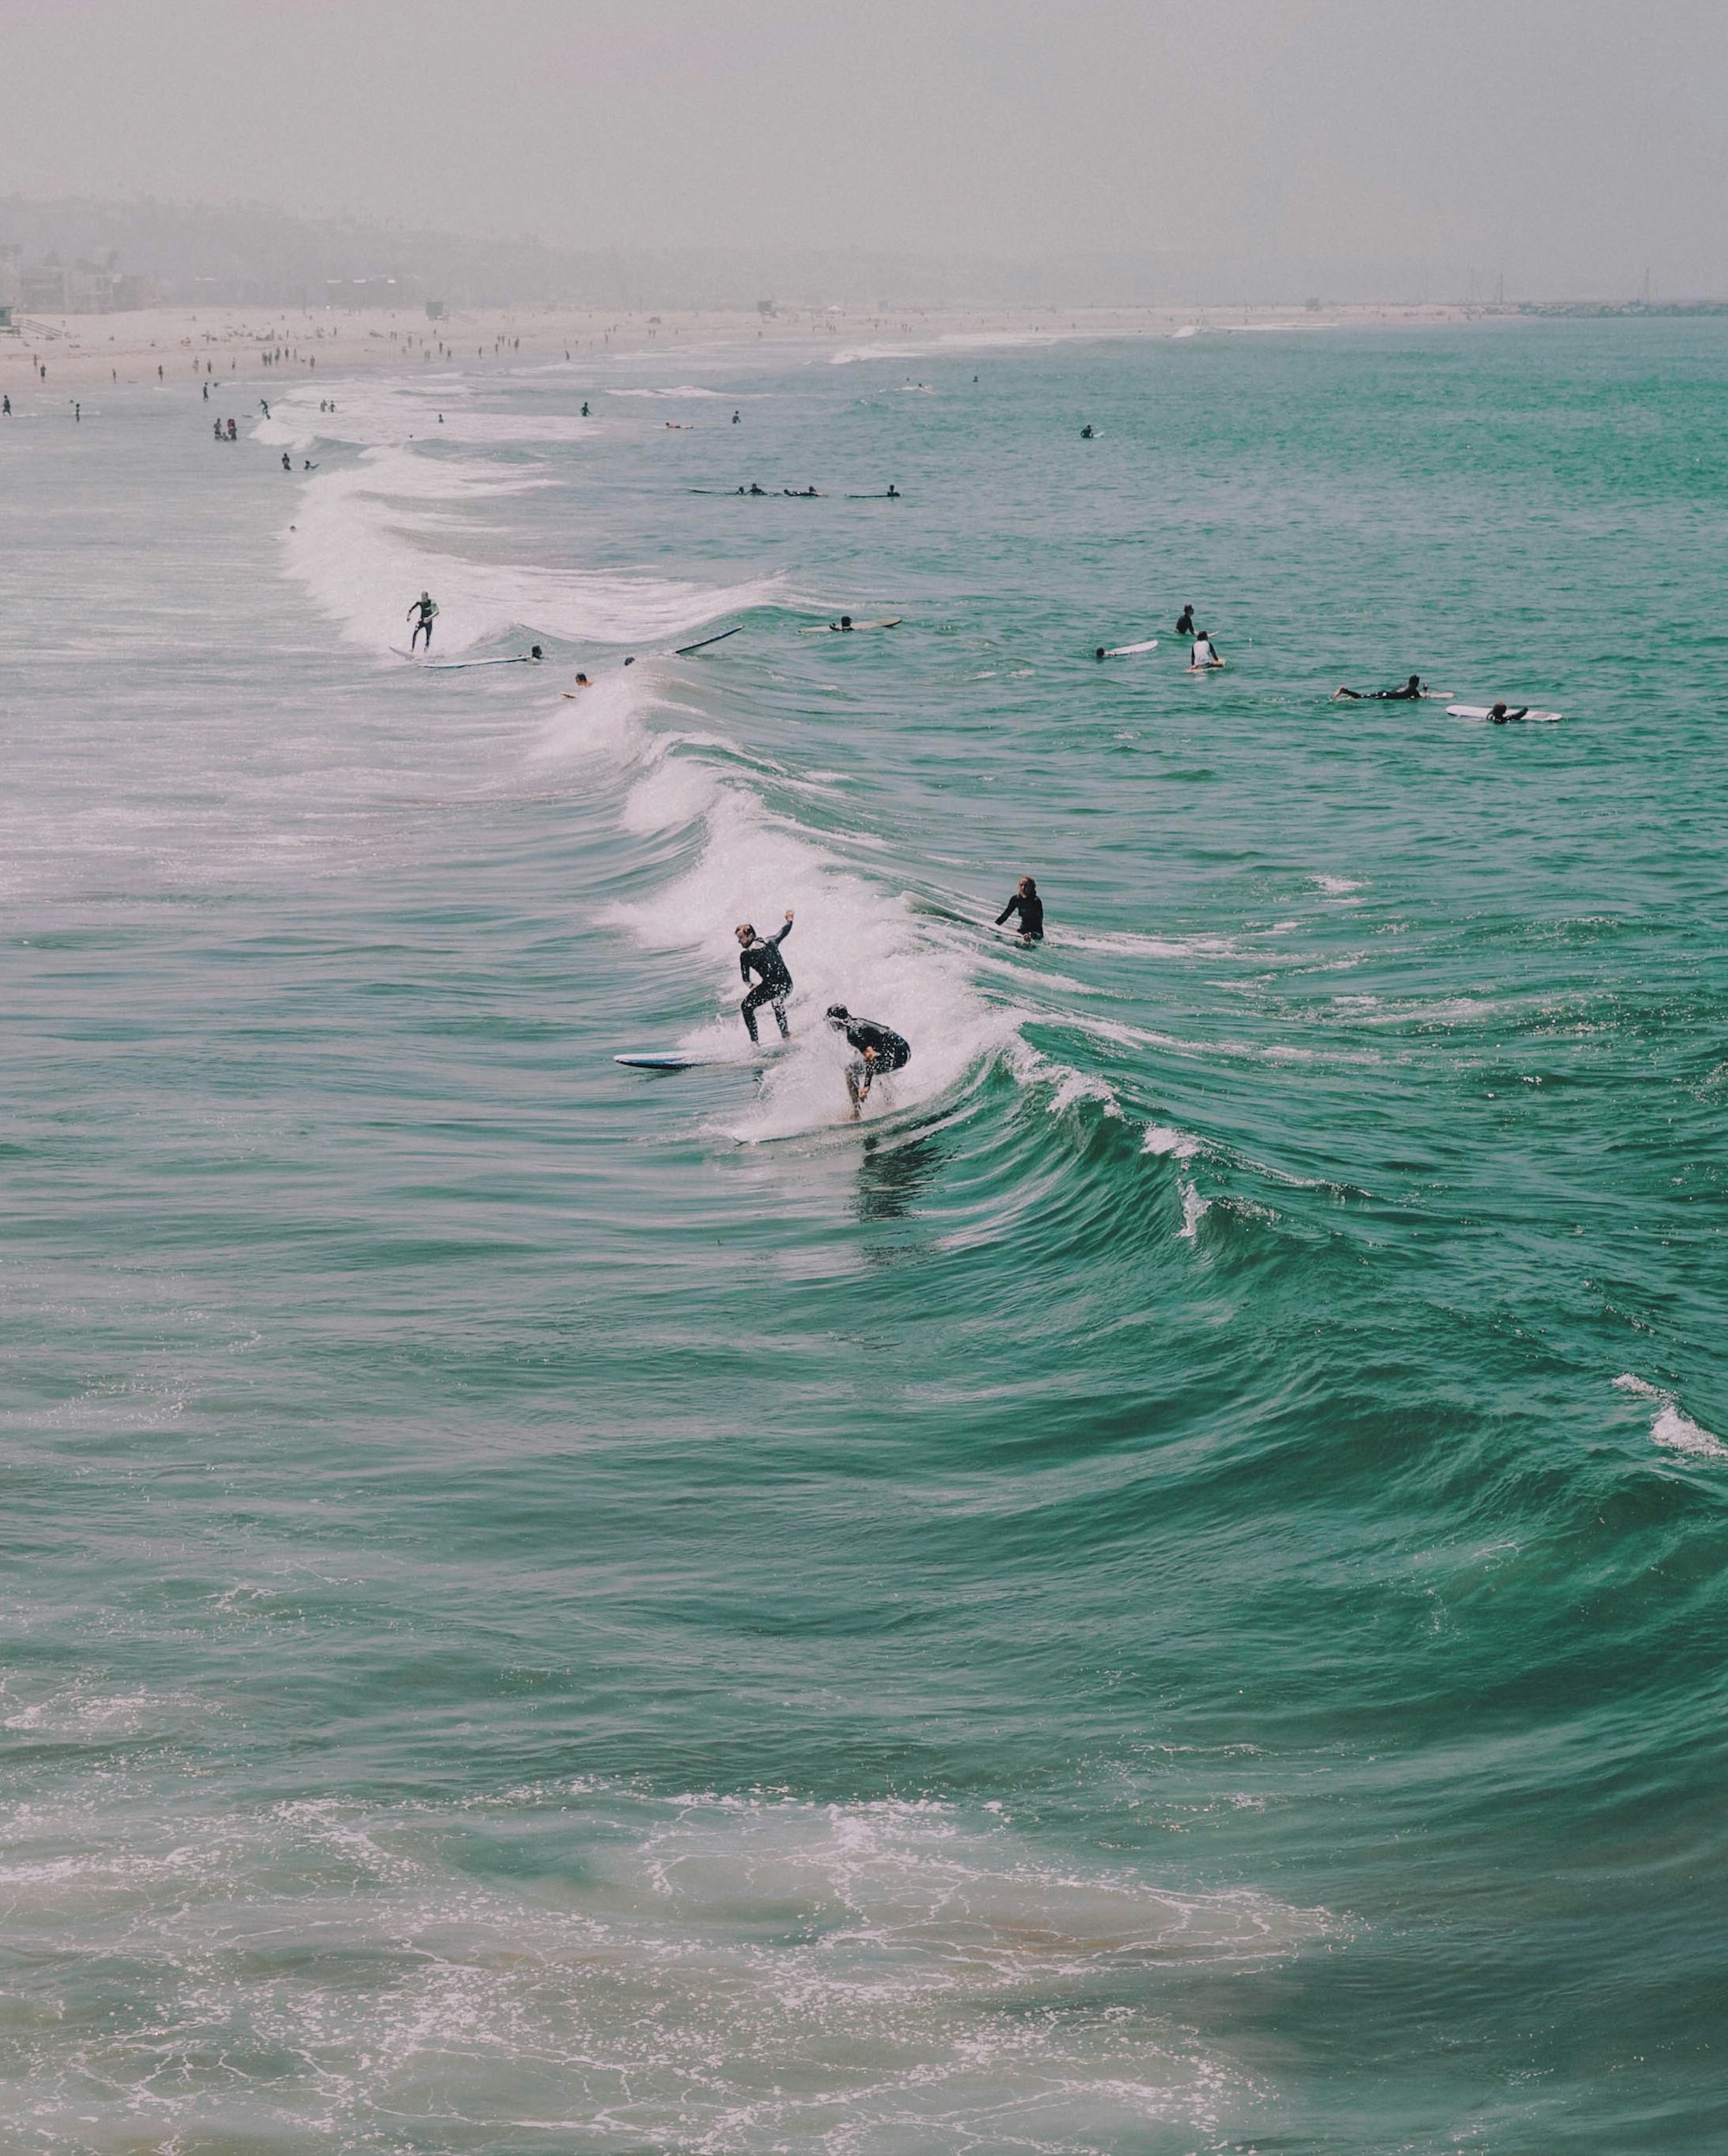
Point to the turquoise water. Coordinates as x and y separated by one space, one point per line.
1160 1593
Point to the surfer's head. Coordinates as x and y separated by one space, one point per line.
1029 887
1099 653
746 931
839 1015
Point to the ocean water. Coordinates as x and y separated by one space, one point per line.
1160 1593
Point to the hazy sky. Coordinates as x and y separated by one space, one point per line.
1565 142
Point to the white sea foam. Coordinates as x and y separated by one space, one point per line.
1335 886
371 536
382 413
1676 1432
712 1971
1162 1138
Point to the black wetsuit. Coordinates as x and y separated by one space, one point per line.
1185 626
1406 695
892 1054
1030 910
1505 718
775 985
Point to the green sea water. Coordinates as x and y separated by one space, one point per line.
1159 1594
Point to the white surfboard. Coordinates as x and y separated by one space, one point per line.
1130 651
833 628
1483 711
453 665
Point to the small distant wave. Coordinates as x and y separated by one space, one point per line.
379 414
1675 1432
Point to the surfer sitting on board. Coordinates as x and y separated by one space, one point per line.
422 614
1206 654
1412 692
1184 625
761 955
880 1050
1027 904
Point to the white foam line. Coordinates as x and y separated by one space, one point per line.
1675 1432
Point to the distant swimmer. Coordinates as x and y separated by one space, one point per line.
754 489
5 407
1412 692
1086 434
1027 904
307 465
287 461
1499 715
807 494
233 433
760 955
736 418
879 1049
207 393
218 430
1204 655
893 493
585 411
423 613
1184 625
535 653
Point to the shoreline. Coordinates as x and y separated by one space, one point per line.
88 351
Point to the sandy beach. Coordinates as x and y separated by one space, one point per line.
83 353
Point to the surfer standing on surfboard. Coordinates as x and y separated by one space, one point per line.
761 955
422 614
878 1050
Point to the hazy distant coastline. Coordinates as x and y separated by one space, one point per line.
114 256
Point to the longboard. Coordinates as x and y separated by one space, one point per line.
1130 651
833 628
684 650
1483 711
452 665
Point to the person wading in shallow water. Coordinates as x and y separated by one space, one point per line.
760 955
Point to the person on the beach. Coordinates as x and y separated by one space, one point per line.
1027 904
1412 692
760 955
1499 715
1204 655
880 1050
1184 625
423 613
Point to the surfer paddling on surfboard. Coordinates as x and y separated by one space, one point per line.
760 955
423 613
1204 655
1412 692
880 1050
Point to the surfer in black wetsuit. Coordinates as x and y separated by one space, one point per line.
1086 434
425 607
760 955
880 1050
1184 625
1027 904
1412 692
1499 715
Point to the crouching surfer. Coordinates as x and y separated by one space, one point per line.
760 955
880 1050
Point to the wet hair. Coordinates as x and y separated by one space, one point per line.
838 1014
1099 653
1028 884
